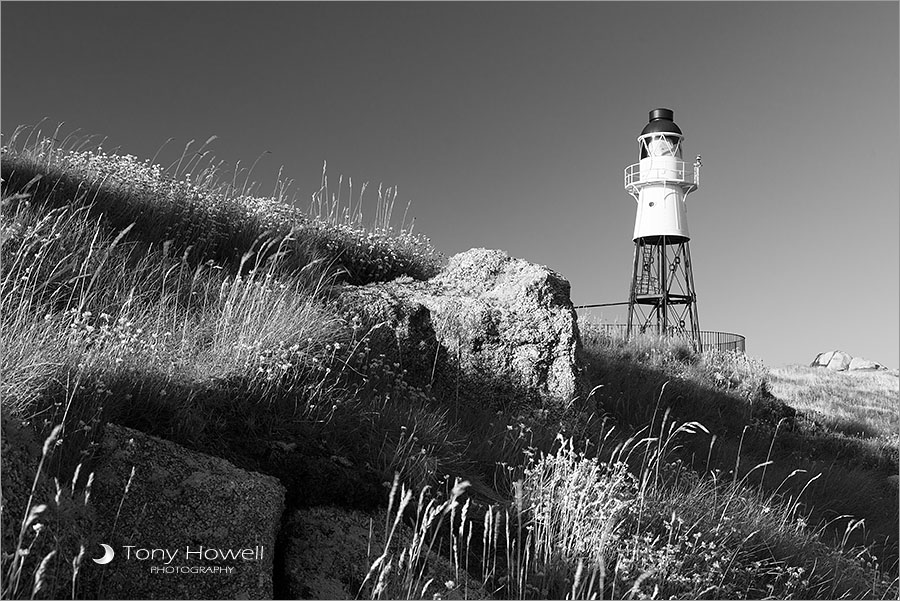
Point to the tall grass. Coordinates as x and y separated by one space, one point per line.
585 527
129 296
725 390
175 301
400 571
98 325
47 544
78 300
208 216
732 395
95 327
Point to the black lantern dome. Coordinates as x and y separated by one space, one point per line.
661 121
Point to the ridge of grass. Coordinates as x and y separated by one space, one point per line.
202 214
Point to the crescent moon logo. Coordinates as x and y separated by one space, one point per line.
108 555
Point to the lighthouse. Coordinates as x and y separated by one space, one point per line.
662 298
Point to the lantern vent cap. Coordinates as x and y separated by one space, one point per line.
661 121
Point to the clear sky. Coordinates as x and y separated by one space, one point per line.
508 125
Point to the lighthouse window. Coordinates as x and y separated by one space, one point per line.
661 146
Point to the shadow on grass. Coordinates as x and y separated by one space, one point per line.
750 428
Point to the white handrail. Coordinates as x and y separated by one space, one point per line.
677 171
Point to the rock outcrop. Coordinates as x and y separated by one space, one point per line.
154 498
841 361
330 551
488 325
836 360
864 364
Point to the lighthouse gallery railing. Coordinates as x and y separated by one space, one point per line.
676 170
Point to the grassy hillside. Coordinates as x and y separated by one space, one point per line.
842 477
860 404
171 301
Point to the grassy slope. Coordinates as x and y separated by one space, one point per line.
208 323
734 399
862 404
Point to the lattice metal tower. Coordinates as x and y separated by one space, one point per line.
663 299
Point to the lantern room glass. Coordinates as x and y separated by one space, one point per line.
660 145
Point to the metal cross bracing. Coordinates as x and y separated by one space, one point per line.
662 299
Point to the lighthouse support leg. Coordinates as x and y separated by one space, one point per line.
643 304
663 297
632 293
695 318
660 276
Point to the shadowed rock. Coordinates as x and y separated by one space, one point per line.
179 501
488 326
330 550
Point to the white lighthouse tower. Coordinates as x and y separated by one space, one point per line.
662 298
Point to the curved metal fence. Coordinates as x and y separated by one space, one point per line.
674 170
724 341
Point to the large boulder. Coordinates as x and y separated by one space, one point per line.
329 552
841 361
182 525
836 360
488 326
858 363
509 317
